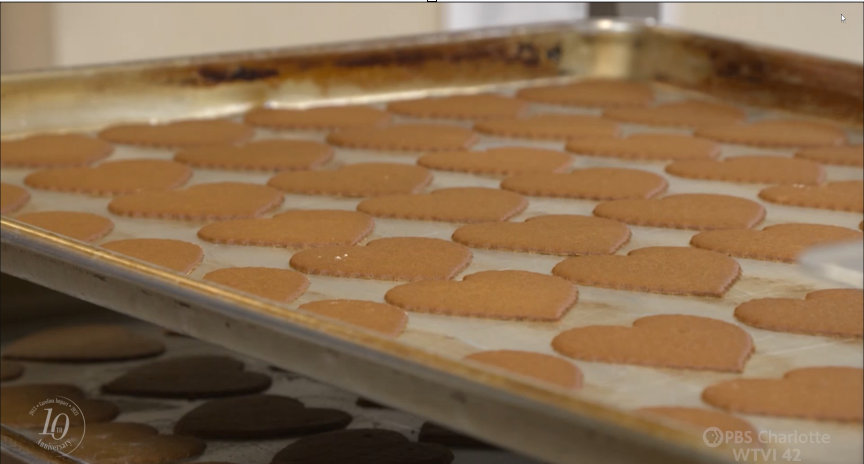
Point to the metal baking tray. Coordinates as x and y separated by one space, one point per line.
421 371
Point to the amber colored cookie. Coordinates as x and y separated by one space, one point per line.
12 198
377 317
600 92
181 134
258 417
434 433
17 401
840 196
682 342
781 242
395 258
263 155
405 137
646 147
176 255
86 227
293 229
669 270
816 393
824 312
690 113
751 169
460 107
845 155
280 285
130 443
776 133
355 180
84 343
539 366
549 127
518 295
10 370
552 235
361 446
498 161
216 201
53 151
693 211
461 204
703 419
324 118
189 377
589 184
113 177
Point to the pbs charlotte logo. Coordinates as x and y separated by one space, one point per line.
713 437
64 425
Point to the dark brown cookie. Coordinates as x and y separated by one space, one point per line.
434 433
84 343
361 446
130 443
16 403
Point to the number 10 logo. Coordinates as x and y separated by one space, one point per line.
54 429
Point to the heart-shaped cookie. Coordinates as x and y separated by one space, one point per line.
405 137
395 258
668 340
781 242
10 370
176 255
217 201
86 227
280 285
549 369
518 295
361 446
824 312
754 169
378 317
258 417
484 106
130 443
594 92
552 126
693 211
434 433
552 235
12 198
83 343
292 229
17 401
180 134
355 180
189 377
844 155
776 133
589 184
647 147
668 270
461 204
840 196
113 177
324 118
815 393
53 151
263 155
690 113
498 161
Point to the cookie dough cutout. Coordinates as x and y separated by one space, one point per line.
508 295
355 180
177 255
361 446
189 377
592 93
279 285
675 341
776 134
702 419
41 151
690 113
113 177
292 229
549 127
258 417
377 317
461 204
181 134
436 434
666 270
845 155
834 313
460 107
539 366
396 258
319 119
12 198
752 170
405 137
85 227
565 235
814 393
216 201
263 155
839 196
131 443
17 401
10 370
506 161
589 184
84 343
781 242
646 147
691 211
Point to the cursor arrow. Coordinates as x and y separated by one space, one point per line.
842 18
